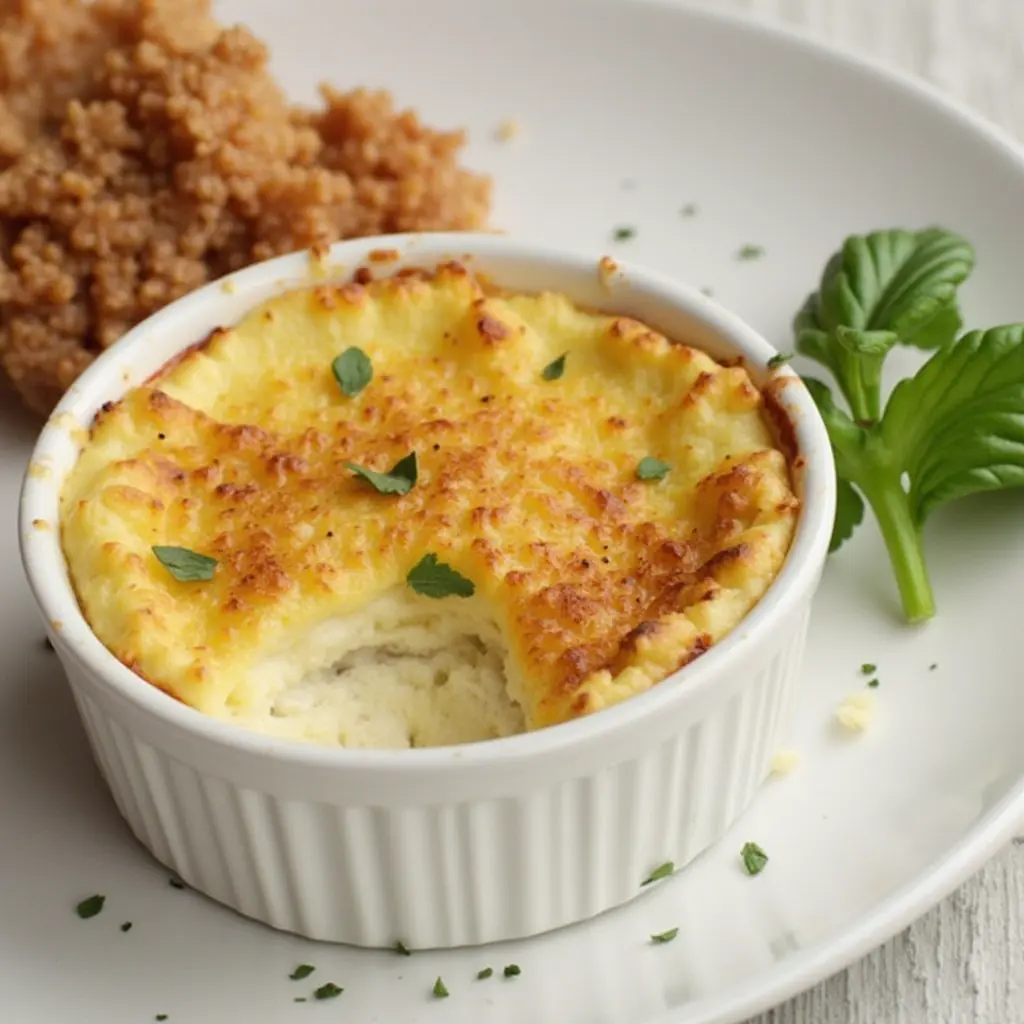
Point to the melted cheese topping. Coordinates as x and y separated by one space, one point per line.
591 585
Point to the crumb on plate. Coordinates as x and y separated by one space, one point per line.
607 268
857 712
508 129
785 762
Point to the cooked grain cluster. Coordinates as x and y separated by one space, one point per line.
145 149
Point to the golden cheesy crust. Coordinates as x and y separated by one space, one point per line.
600 583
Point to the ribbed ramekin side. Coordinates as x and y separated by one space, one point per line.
450 872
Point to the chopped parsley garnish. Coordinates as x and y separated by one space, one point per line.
933 667
484 972
160 1016
300 999
353 371
432 578
651 469
127 926
754 858
302 971
623 234
660 872
750 252
779 359
328 991
512 970
175 883
185 565
867 669
663 937
555 368
440 989
90 907
402 949
873 684
398 480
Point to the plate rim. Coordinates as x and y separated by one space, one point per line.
796 973
793 975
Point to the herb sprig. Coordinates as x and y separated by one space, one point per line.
660 872
328 991
353 371
90 907
954 428
555 369
184 564
400 479
650 468
754 858
432 578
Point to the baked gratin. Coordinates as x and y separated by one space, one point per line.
418 511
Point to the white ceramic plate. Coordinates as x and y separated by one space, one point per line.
629 111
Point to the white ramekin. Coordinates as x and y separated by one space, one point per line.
445 846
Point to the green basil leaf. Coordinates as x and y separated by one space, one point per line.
848 441
185 565
873 344
942 329
844 433
400 479
302 971
849 513
554 369
353 371
811 340
957 426
893 280
651 469
432 578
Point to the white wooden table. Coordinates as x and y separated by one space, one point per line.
964 962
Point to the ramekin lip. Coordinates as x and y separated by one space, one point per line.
45 567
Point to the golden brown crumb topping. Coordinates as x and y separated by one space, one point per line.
602 581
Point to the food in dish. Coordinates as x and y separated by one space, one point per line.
418 511
145 150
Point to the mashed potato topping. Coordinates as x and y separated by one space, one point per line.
616 500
